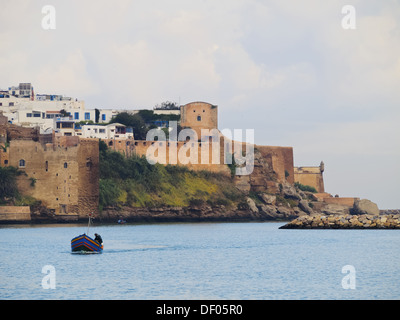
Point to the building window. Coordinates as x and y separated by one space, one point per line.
76 116
87 115
102 130
65 165
103 117
11 104
68 125
198 118
29 115
47 166
22 163
5 161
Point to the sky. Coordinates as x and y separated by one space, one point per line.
291 70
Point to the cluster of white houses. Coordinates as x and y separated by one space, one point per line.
63 115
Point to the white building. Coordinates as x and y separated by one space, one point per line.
110 131
22 107
47 111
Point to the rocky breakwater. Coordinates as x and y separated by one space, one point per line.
360 221
363 215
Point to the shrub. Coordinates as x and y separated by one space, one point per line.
303 187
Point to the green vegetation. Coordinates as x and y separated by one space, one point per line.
9 193
8 184
22 200
136 183
167 105
303 187
142 121
134 121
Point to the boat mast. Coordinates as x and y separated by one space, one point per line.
88 224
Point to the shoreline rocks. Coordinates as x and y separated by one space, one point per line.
217 213
362 221
364 206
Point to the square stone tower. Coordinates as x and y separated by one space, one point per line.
199 115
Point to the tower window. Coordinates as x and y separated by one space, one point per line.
22 163
198 118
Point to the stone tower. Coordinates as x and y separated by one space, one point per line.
199 115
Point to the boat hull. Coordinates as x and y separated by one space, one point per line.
86 244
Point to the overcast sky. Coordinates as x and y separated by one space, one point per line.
287 69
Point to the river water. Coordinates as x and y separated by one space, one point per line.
200 261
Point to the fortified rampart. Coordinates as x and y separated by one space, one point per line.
15 213
311 176
272 164
63 172
65 179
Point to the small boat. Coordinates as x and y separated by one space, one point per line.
84 243
121 221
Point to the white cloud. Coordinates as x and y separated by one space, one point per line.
70 77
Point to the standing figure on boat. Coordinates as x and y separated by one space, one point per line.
98 238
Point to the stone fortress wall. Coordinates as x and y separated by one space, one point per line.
63 172
64 178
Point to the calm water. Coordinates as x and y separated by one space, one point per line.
200 261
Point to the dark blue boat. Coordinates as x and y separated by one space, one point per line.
84 243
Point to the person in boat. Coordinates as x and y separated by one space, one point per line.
98 238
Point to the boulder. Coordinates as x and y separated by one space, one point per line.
365 206
268 198
303 205
289 191
285 212
252 205
333 209
270 211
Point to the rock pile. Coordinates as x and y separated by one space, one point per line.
362 221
